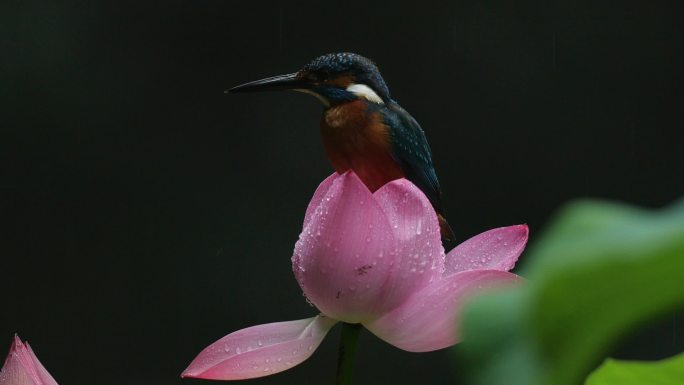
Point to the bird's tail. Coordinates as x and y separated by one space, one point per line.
445 230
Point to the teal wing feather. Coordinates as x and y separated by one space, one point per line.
412 151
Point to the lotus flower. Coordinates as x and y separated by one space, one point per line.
374 259
23 368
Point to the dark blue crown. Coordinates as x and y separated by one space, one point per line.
363 70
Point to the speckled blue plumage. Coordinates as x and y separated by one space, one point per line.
363 70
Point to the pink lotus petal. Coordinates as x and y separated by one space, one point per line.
318 196
22 367
40 369
341 258
419 257
496 249
261 350
428 320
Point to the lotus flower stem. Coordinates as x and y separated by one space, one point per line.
347 353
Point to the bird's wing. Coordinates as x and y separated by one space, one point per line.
412 151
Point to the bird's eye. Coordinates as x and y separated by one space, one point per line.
312 77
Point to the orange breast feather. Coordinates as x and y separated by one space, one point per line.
357 139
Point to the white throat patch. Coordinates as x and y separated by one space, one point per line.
363 91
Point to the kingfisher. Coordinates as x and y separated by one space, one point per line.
362 128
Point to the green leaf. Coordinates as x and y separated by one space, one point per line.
615 372
600 270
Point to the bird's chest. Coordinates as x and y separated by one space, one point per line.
355 137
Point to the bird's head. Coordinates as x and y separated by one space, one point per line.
333 78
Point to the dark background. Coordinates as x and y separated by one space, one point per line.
145 214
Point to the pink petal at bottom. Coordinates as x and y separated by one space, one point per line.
22 367
428 320
261 350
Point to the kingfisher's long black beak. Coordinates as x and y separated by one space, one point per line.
275 83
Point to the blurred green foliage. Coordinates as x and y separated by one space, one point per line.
599 271
615 372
